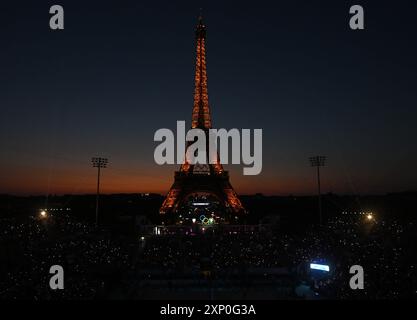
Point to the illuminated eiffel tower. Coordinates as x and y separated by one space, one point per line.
206 180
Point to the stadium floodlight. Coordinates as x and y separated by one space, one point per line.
98 163
318 161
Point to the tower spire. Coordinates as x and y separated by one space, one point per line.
201 112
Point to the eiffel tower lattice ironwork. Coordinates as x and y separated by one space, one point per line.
198 178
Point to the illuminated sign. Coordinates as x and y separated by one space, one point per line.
321 267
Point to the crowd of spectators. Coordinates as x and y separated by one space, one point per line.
98 262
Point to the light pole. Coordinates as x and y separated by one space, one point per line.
98 163
318 161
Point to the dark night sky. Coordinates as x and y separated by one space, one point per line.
122 69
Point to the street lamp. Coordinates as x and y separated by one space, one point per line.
318 161
98 163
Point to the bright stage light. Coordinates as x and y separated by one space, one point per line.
194 220
369 216
43 213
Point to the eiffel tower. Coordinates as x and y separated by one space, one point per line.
207 180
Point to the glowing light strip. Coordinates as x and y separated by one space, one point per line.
321 267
